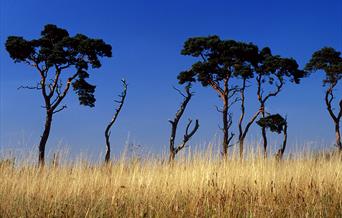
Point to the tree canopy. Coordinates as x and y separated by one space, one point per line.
58 50
330 61
219 59
275 123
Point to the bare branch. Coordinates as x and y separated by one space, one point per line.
188 135
233 91
237 99
60 109
54 84
274 93
218 109
37 87
179 91
65 91
230 138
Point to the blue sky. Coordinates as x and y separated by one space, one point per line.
147 37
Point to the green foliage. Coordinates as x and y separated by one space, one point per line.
57 50
330 61
219 59
275 123
222 58
272 67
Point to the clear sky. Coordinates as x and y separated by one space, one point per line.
147 37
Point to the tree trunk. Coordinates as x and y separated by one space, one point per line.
241 138
241 144
107 156
225 127
338 137
44 138
281 151
263 133
172 156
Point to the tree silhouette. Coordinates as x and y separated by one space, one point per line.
277 124
174 124
51 55
219 61
272 71
115 116
330 61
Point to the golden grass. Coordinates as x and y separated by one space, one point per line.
199 186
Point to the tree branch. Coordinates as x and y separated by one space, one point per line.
187 135
55 82
37 87
328 101
275 93
63 94
60 109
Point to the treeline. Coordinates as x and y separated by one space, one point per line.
229 67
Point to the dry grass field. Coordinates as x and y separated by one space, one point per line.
196 186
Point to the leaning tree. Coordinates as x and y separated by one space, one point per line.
271 74
219 62
276 123
61 61
120 103
330 61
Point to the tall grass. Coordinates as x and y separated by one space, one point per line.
200 185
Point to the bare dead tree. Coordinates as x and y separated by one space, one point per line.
174 124
115 116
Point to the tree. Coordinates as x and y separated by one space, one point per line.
276 123
273 70
219 61
115 116
245 76
330 61
51 55
174 124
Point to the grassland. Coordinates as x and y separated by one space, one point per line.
196 186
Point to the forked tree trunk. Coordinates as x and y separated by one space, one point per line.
329 97
44 138
243 131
